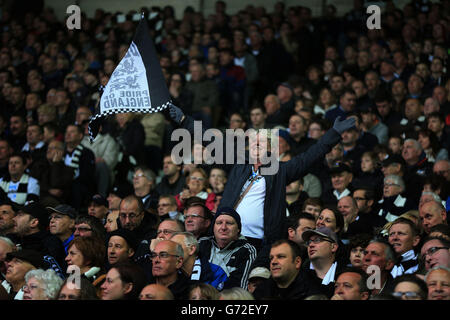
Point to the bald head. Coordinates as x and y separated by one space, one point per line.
155 292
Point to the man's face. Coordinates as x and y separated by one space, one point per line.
5 150
165 206
169 168
60 224
17 126
82 230
438 283
296 126
348 101
374 254
166 228
321 250
169 265
435 254
415 85
349 137
271 104
312 209
430 105
32 101
72 135
118 250
196 73
282 263
195 221
391 188
442 168
347 208
337 84
412 109
6 218
409 152
97 210
236 122
283 93
435 124
431 215
226 229
16 270
439 94
140 181
53 148
34 135
22 223
16 167
371 81
361 201
129 216
216 178
347 287
152 292
401 238
383 108
341 180
257 117
398 88
303 225
359 88
113 201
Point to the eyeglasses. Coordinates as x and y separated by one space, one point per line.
130 216
165 231
318 240
390 184
29 287
408 295
432 251
138 175
162 255
197 178
193 216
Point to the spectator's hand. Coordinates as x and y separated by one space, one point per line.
185 195
176 114
341 126
336 297
55 192
57 156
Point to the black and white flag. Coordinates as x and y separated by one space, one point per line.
136 85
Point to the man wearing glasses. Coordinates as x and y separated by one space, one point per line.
197 217
435 252
144 185
167 260
322 267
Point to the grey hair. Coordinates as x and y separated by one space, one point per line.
148 173
49 279
434 195
436 268
397 180
189 240
389 252
416 144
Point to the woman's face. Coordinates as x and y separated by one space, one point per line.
196 294
75 257
113 287
424 141
367 164
326 219
325 97
196 182
395 145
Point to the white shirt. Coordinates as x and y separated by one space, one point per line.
251 210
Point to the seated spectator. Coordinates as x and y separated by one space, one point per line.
341 179
144 187
41 285
432 213
351 284
155 292
173 180
197 183
86 291
299 223
122 245
203 291
410 287
393 204
356 247
167 208
124 281
18 185
436 280
228 249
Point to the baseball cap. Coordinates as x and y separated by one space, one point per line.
64 209
37 211
31 256
285 135
259 272
341 167
121 190
324 232
100 200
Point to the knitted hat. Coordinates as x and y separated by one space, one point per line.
231 212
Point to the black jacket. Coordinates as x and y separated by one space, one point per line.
299 289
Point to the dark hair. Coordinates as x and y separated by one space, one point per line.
134 274
196 201
292 220
339 218
359 240
442 228
297 251
87 290
98 229
434 141
414 279
362 283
